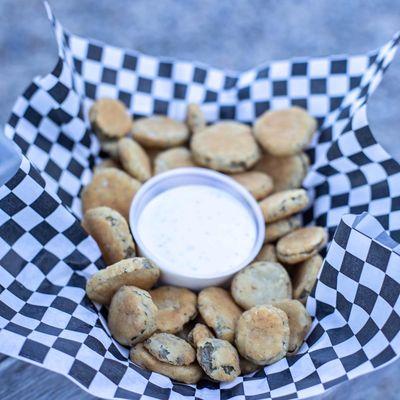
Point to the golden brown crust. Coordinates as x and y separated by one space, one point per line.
134 159
110 187
160 132
283 204
189 374
132 315
111 232
219 359
301 244
287 172
257 183
262 282
299 323
262 334
276 230
195 118
267 253
225 146
110 118
198 333
305 276
170 349
219 311
138 272
176 157
285 132
176 307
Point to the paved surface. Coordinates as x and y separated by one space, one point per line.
233 34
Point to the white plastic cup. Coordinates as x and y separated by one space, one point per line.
192 176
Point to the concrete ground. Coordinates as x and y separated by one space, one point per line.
233 34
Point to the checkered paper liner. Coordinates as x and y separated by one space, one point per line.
46 257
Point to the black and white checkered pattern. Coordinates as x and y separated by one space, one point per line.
45 257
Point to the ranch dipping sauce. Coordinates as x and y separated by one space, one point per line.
197 230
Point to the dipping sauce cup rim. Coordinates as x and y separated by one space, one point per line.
192 176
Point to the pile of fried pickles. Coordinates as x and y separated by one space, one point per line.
217 333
